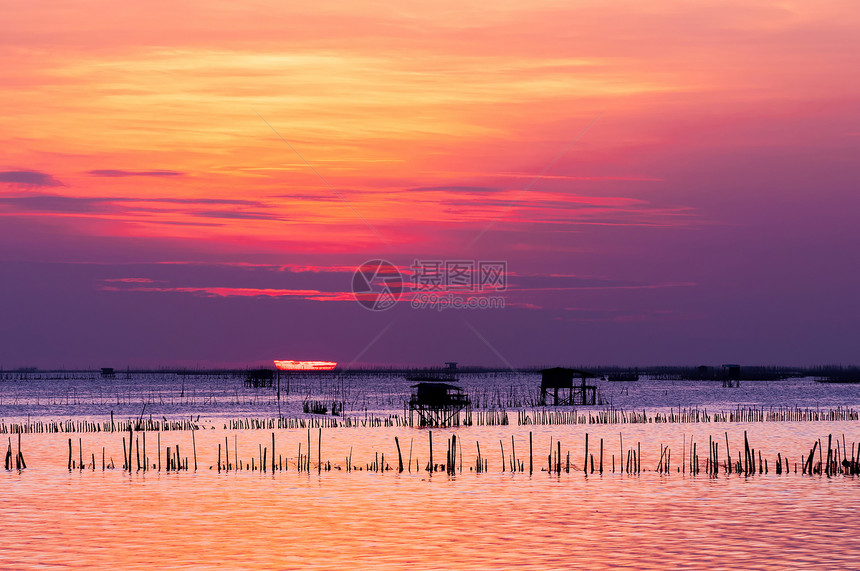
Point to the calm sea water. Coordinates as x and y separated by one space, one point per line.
333 519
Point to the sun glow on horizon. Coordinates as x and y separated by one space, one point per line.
305 365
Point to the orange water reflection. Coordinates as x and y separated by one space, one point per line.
362 519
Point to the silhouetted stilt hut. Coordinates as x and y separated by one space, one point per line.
561 378
436 403
258 378
731 375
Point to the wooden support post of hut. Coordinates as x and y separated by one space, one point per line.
561 378
437 403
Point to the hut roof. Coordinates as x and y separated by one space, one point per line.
446 386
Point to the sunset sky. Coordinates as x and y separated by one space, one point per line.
672 182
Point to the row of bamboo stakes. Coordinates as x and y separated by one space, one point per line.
840 459
134 456
526 417
686 416
164 425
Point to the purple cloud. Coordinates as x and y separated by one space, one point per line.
225 201
80 205
53 203
28 178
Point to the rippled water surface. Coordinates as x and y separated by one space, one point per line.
362 519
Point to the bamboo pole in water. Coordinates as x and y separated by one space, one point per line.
558 457
601 455
461 458
683 452
550 458
409 463
130 436
399 456
728 455
585 465
531 467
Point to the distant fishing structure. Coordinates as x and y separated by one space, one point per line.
259 378
561 378
435 400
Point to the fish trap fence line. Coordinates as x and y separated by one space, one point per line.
302 423
525 417
154 425
481 418
686 416
85 426
465 418
487 418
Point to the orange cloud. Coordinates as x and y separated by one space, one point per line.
407 113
